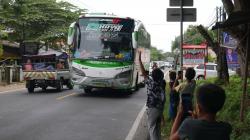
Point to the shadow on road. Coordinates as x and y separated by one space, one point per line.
47 91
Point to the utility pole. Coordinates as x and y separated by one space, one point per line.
181 34
181 15
217 20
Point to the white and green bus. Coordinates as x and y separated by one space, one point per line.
105 52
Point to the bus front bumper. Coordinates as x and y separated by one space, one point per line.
120 83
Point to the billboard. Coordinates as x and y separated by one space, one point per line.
193 56
232 58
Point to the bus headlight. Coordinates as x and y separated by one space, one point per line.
125 74
124 78
78 72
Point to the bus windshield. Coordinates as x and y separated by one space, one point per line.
104 38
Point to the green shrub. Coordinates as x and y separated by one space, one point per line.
230 112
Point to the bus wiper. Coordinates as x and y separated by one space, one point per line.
103 57
96 57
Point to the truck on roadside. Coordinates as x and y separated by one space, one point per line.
43 69
46 70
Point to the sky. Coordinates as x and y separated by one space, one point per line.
153 15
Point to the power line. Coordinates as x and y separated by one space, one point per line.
212 23
159 24
212 16
84 4
90 8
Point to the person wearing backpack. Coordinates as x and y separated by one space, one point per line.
155 100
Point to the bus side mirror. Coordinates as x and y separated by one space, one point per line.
71 33
135 39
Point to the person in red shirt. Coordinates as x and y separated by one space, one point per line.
28 65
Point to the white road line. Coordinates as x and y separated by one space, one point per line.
136 124
5 92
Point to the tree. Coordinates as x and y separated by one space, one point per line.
168 54
191 36
155 54
45 20
222 68
175 44
239 31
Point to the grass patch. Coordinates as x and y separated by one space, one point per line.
230 112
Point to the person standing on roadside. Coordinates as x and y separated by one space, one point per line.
154 65
155 99
203 125
173 96
186 90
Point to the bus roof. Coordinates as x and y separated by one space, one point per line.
107 15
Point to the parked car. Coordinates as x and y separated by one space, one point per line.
211 71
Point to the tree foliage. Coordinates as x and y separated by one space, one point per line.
155 54
191 36
44 20
222 68
159 55
175 43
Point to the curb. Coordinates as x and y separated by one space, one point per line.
8 91
14 86
139 130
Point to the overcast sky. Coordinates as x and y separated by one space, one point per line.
153 14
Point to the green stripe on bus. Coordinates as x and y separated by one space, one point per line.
102 64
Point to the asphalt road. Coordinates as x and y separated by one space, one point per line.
69 115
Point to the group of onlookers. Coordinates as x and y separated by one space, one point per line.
193 113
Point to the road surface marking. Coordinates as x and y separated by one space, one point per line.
62 97
136 124
8 91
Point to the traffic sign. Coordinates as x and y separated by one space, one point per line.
178 2
173 14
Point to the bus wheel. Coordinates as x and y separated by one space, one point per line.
130 91
87 90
